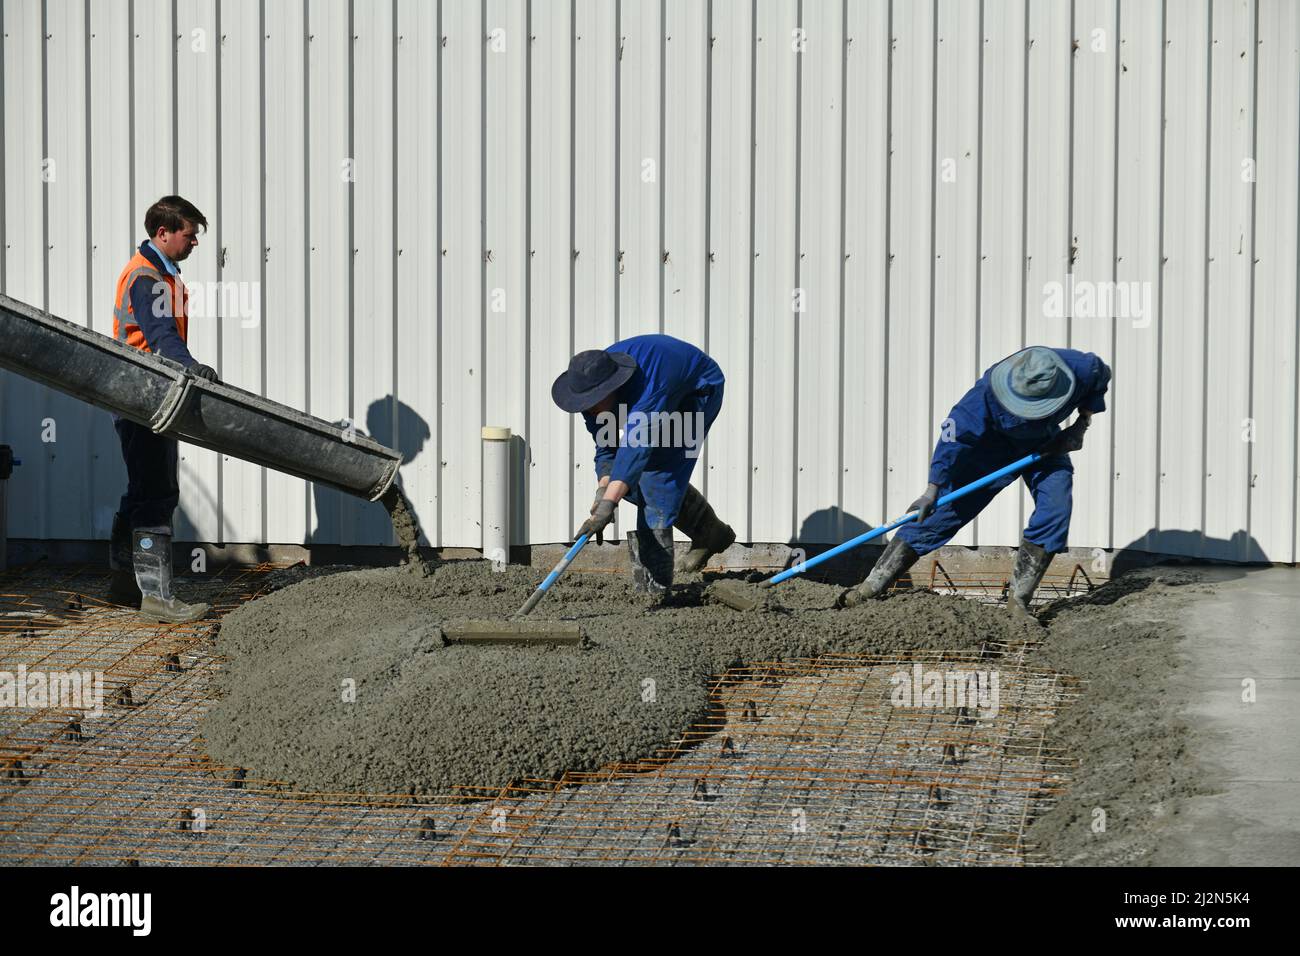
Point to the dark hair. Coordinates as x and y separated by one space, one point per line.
172 213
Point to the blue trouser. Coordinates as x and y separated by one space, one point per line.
658 495
152 483
1050 481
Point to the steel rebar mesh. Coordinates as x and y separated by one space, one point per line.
798 762
807 762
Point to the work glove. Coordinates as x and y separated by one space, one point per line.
595 503
924 505
1069 439
205 372
601 515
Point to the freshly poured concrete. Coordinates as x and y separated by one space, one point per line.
343 682
1136 752
405 527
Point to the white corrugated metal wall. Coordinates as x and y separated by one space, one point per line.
434 204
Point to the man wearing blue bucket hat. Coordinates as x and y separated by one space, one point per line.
1013 410
648 402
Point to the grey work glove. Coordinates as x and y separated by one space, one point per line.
205 372
595 503
924 505
1070 439
601 515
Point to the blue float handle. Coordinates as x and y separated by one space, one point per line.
553 576
849 545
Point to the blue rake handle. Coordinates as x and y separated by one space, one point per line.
861 539
553 576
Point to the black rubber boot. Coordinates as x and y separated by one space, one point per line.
152 558
898 557
708 534
1031 565
652 560
122 586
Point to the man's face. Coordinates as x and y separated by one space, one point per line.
606 404
176 245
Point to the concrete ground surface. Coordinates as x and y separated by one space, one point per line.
1190 770
1248 631
1233 633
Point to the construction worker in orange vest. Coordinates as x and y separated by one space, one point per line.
149 313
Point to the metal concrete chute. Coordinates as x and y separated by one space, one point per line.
161 395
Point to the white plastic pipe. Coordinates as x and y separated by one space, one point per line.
496 495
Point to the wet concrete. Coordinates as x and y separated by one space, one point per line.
406 527
1137 753
341 682
426 717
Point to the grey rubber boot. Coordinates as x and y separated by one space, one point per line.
152 558
708 534
898 557
122 586
1031 565
652 560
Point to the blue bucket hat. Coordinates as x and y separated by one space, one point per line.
590 377
1032 384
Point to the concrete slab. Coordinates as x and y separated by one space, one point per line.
1243 638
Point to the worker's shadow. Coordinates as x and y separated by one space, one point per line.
1233 557
824 529
390 422
1216 559
186 537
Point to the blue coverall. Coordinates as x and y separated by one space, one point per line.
984 437
671 376
152 461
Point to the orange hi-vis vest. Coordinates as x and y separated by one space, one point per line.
125 328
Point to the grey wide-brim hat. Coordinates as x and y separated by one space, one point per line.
1032 384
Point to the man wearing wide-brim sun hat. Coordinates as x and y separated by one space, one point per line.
648 402
1013 410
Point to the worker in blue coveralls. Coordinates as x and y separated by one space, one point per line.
649 402
1012 411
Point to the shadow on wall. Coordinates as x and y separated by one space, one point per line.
185 528
1162 547
828 527
185 536
114 477
1165 546
825 529
111 478
518 490
390 422
1238 554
